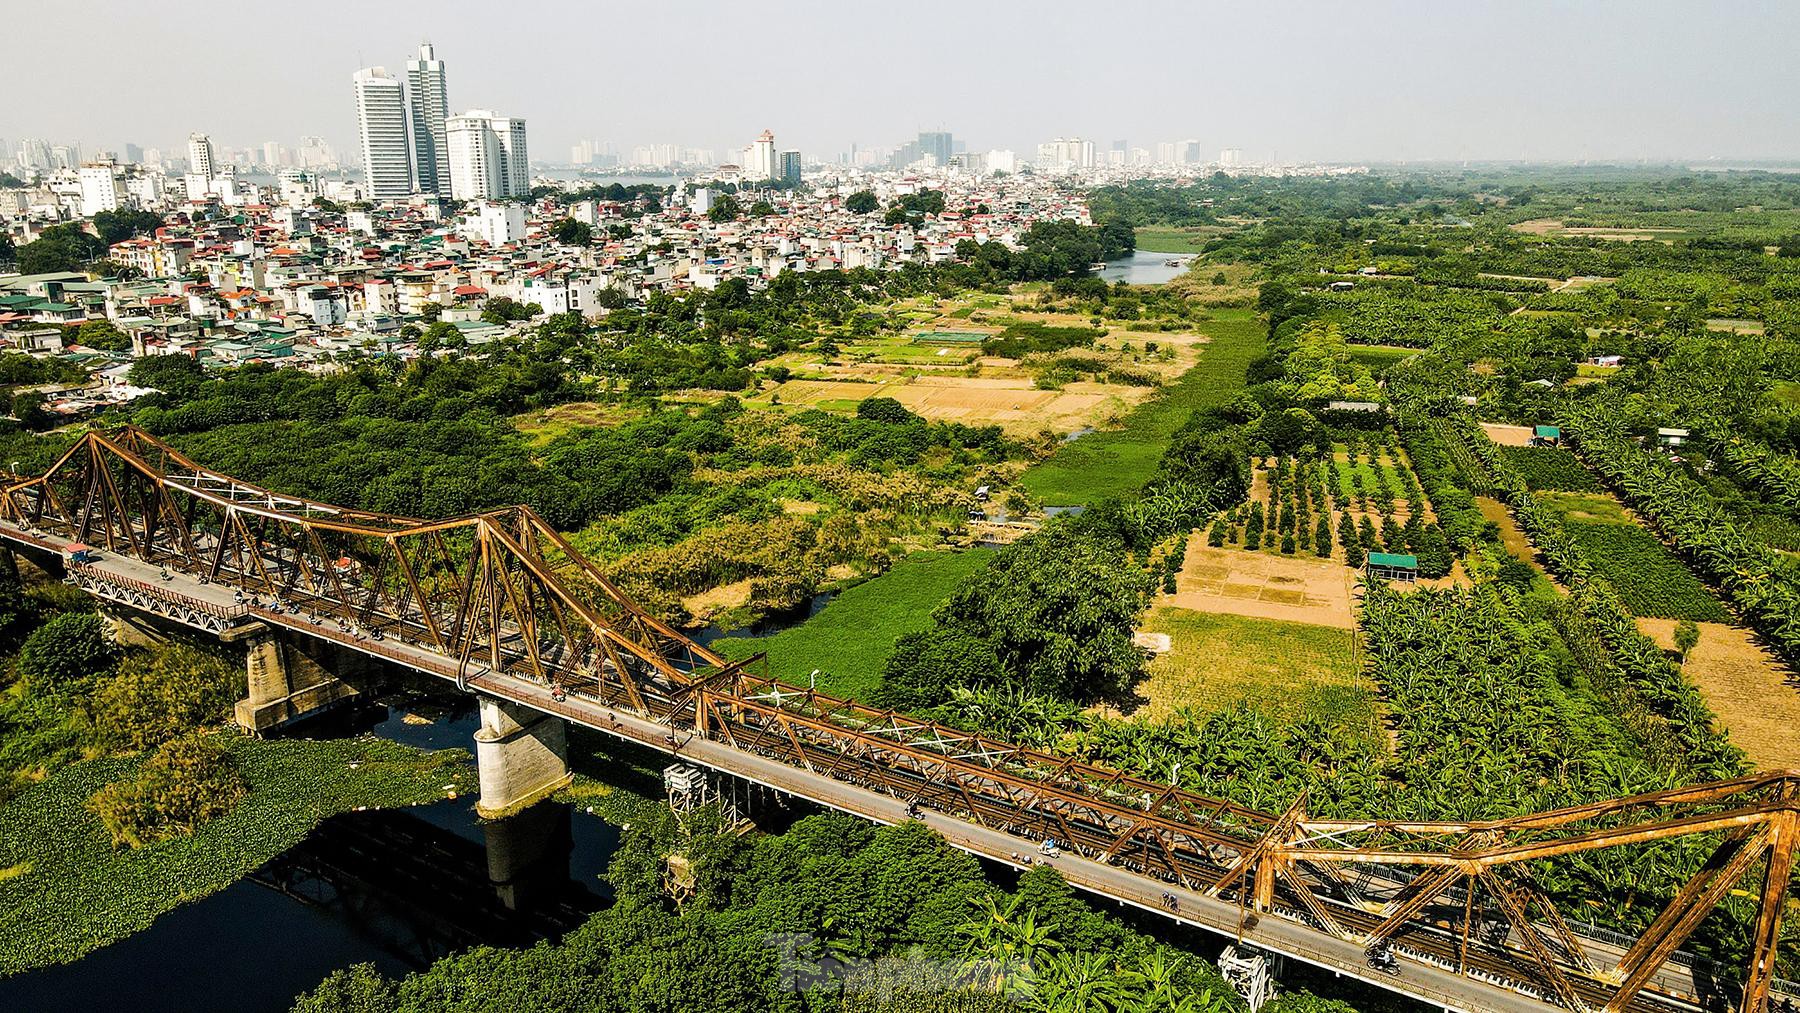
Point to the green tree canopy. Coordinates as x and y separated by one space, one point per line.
725 209
69 649
570 232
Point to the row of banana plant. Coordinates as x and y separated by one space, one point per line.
1763 584
1755 463
1650 678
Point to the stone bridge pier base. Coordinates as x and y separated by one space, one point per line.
528 854
285 683
521 757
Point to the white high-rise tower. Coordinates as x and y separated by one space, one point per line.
487 156
381 120
430 108
759 158
200 156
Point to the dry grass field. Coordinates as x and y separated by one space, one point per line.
1010 402
1507 436
1756 697
1289 671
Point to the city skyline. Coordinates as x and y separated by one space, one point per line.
1477 82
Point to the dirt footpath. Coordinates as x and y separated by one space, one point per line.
1756 697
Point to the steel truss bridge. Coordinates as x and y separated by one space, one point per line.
500 603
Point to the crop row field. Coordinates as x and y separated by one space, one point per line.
1551 468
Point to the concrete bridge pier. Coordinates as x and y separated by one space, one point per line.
528 854
521 757
284 683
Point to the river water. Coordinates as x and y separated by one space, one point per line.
1146 268
398 888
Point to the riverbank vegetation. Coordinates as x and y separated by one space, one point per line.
121 794
77 890
833 916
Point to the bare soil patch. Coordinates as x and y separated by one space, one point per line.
1012 403
1507 436
1263 586
1538 226
1756 697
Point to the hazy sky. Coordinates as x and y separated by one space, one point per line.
1338 81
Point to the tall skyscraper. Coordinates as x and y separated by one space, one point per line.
487 155
789 168
102 189
430 110
34 154
381 122
937 144
133 153
200 156
759 158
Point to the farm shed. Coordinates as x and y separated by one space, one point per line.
1392 566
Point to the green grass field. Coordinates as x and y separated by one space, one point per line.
1287 670
1118 461
1584 508
1378 356
850 639
1167 240
1371 474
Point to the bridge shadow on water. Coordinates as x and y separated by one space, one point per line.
398 888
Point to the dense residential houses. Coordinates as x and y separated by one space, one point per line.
250 277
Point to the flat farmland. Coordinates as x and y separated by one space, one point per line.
1289 671
1012 403
1755 696
1263 585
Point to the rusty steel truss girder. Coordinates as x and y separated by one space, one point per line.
501 592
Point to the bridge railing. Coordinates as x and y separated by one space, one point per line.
173 597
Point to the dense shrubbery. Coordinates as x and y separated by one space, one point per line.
70 648
1051 614
1649 580
154 697
1027 338
187 781
1551 468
